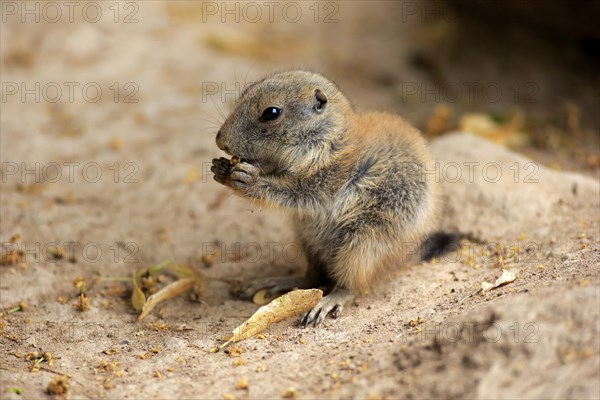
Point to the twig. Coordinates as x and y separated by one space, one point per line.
54 372
469 296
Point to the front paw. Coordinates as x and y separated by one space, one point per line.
222 169
243 176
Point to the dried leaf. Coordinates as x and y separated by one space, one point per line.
174 289
289 305
138 298
186 271
261 297
505 278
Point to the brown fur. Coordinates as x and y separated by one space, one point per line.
357 210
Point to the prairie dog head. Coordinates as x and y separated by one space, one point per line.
288 122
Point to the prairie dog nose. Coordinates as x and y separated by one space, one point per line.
220 143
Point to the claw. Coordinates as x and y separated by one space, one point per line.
315 316
337 311
332 304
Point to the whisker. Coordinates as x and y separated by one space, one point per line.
218 109
211 123
213 119
247 72
235 75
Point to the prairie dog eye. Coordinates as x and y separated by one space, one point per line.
270 114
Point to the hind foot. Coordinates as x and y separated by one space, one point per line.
332 304
275 286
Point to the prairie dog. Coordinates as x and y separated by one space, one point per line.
352 182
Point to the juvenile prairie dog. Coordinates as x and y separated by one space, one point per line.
353 183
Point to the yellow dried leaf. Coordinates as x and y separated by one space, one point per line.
261 297
289 305
175 289
138 298
506 277
186 271
83 303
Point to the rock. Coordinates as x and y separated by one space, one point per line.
493 192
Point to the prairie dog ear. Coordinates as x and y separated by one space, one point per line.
321 100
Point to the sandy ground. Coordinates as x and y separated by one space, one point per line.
134 189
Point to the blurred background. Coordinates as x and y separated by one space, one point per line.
521 73
108 117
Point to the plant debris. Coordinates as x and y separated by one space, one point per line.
290 393
188 279
242 384
38 358
505 278
59 385
83 303
289 305
414 322
174 289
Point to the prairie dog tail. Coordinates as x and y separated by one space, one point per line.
440 243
